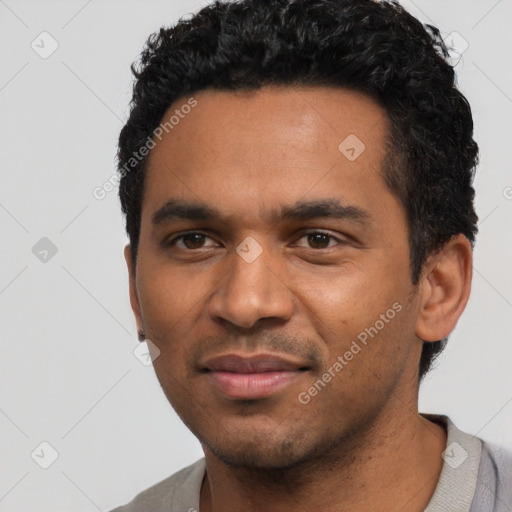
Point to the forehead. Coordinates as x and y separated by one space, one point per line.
249 150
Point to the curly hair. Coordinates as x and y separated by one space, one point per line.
374 47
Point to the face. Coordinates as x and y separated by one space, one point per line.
273 272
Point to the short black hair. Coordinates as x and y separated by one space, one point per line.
373 47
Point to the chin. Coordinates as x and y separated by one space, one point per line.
267 452
256 458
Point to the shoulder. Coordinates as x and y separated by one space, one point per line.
494 480
180 491
500 463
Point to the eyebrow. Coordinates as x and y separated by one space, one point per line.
330 208
301 210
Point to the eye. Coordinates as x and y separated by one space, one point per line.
319 240
194 240
191 240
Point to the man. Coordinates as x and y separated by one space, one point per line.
297 184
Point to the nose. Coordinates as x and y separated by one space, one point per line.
251 291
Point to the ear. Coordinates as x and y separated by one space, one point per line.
134 298
444 289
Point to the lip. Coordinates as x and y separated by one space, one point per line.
252 376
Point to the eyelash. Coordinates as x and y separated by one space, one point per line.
311 232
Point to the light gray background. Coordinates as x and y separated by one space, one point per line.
68 374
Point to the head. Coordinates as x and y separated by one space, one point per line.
327 140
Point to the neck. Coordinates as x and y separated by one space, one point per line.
395 463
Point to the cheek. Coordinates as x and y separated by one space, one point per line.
343 303
166 301
366 318
382 342
167 304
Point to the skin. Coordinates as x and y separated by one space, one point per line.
360 440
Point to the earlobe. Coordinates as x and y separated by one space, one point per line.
134 298
444 289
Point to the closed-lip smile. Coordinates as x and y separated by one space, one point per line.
252 376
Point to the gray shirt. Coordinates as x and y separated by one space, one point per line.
476 477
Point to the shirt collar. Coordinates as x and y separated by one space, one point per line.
457 482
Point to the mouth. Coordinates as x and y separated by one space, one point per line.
249 377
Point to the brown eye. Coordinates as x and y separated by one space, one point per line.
193 240
319 240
